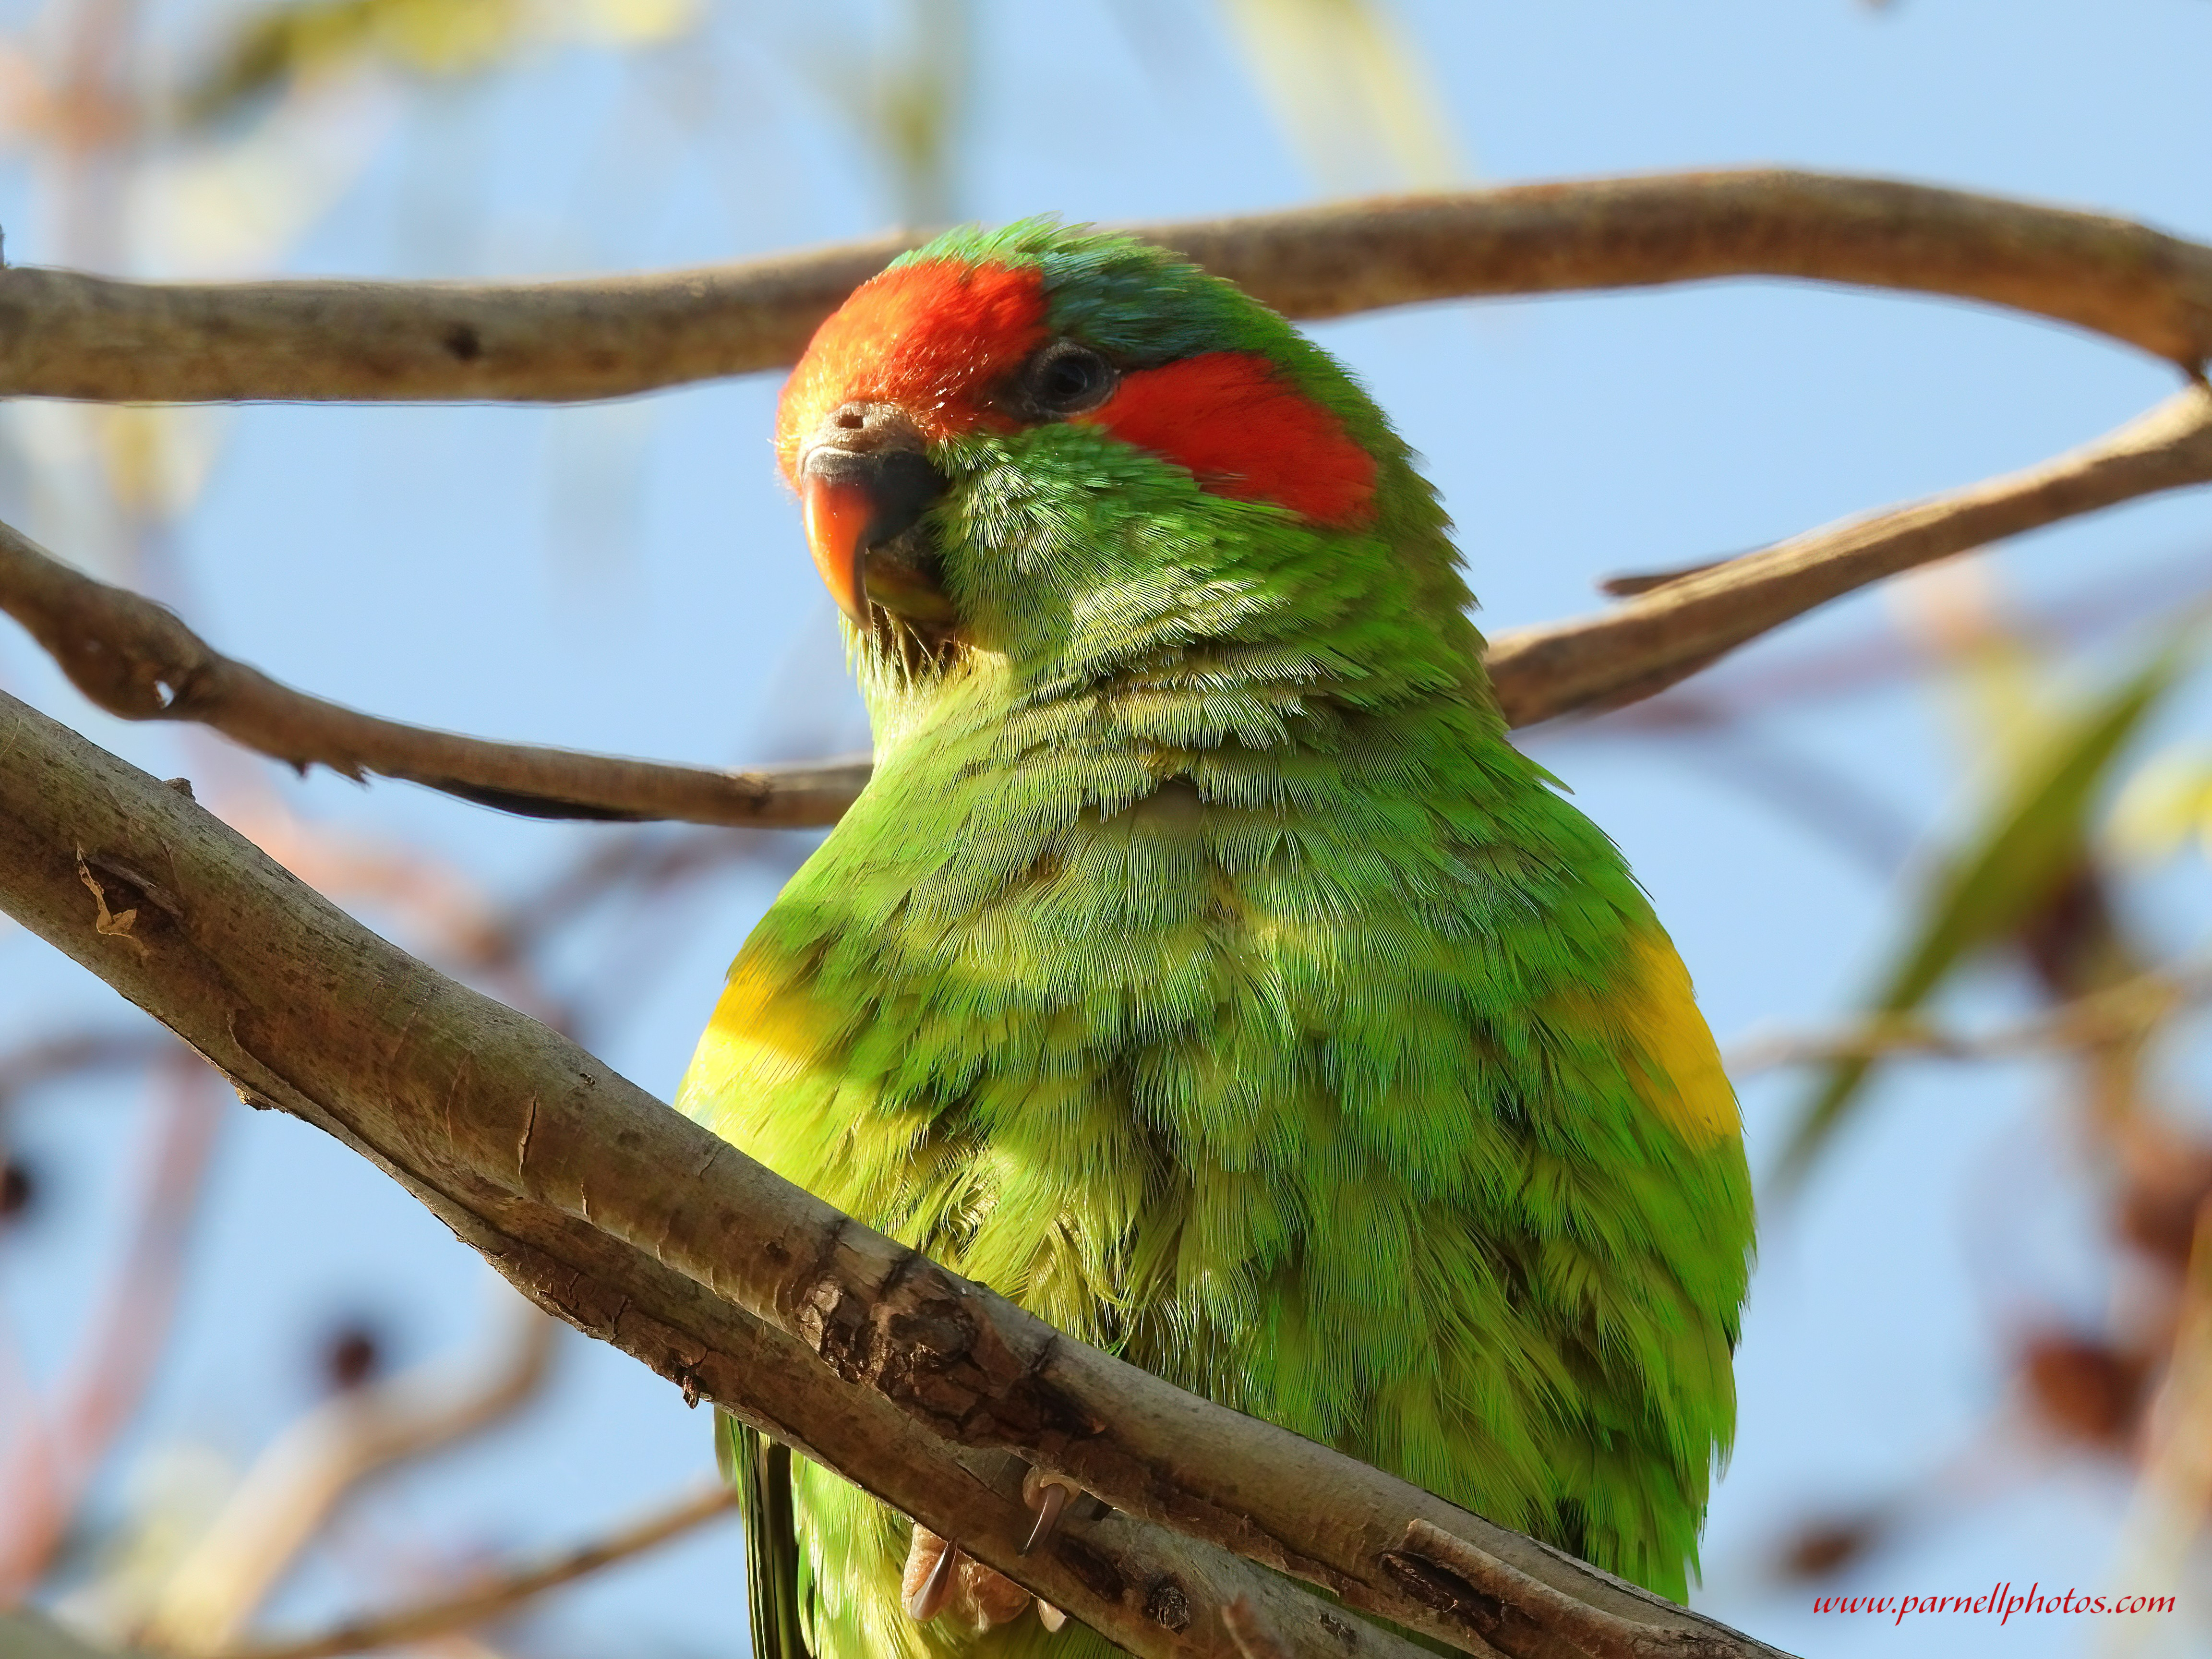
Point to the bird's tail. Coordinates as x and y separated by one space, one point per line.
761 1470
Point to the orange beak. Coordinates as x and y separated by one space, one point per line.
857 498
838 515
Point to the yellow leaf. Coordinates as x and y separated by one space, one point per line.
1347 91
2166 802
635 22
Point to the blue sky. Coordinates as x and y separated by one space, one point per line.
630 578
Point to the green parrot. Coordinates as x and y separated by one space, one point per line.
1202 969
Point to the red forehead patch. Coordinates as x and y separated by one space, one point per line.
1243 431
933 338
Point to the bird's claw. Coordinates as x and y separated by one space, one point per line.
937 1574
1048 1497
926 1600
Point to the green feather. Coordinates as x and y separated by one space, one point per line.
1204 969
760 1469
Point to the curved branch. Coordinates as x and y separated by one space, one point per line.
641 1227
70 335
136 659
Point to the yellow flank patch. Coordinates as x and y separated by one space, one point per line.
1661 1011
763 1035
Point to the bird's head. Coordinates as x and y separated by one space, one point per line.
1026 438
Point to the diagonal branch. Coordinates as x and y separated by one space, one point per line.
134 658
499 1596
293 1487
70 335
1669 631
642 1229
137 660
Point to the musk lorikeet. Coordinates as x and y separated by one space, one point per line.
1202 969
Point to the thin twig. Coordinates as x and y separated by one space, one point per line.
136 660
2121 1012
1669 632
502 1593
1881 657
70 335
296 1483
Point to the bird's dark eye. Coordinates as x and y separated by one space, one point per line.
1066 379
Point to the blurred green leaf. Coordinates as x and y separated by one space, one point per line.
296 40
2037 840
1347 91
301 40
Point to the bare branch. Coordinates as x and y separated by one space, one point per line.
1669 631
2124 1013
136 660
71 335
643 1229
68 335
2106 275
296 1483
504 1593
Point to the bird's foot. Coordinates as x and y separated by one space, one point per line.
940 1579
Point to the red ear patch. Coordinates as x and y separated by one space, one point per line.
934 338
1245 431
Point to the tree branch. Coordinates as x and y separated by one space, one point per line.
1670 630
70 335
137 660
643 1229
